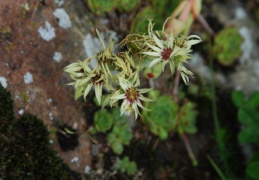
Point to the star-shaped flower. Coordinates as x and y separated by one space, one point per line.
131 97
174 51
163 51
85 78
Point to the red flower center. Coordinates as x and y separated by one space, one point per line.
132 94
165 54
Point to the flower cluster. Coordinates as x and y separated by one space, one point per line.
164 49
118 73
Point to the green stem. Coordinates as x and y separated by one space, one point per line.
213 99
176 85
220 173
218 129
189 150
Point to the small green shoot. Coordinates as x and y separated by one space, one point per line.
187 118
216 167
102 120
252 169
119 130
165 116
101 7
128 5
162 117
125 165
248 116
140 22
227 47
120 135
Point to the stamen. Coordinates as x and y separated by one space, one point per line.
165 54
132 95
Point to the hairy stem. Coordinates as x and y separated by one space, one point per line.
176 85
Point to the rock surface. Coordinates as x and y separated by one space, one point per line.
38 39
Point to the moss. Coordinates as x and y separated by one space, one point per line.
6 111
24 147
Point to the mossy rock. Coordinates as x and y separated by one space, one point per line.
24 147
227 47
6 111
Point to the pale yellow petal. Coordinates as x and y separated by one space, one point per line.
158 42
124 107
154 47
98 92
83 81
155 61
143 98
120 96
144 90
151 53
88 88
140 105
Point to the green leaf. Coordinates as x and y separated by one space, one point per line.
161 118
254 158
124 164
121 134
162 134
249 134
253 169
117 147
187 117
102 6
248 116
140 22
132 168
125 134
117 118
192 129
253 101
128 5
127 166
116 130
102 120
154 94
227 46
111 138
238 98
